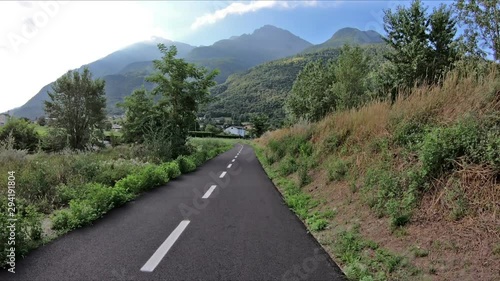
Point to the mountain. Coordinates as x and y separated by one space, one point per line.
129 66
242 52
349 35
261 89
142 51
275 54
264 88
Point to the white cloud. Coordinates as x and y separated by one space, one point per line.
234 8
238 8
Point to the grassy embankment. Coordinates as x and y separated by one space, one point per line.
408 191
58 192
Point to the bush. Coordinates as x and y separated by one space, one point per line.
442 145
54 140
28 228
22 132
171 169
337 170
287 166
186 164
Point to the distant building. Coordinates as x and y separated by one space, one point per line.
116 127
236 130
3 119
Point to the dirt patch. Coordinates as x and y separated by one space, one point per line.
441 248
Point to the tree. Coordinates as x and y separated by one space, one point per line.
77 105
41 121
443 46
138 112
164 116
350 70
309 98
260 124
21 133
423 46
482 20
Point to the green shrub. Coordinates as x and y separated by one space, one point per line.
112 171
186 164
54 140
171 169
303 173
441 146
22 132
287 166
410 133
317 224
28 229
337 170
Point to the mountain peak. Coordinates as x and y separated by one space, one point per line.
349 35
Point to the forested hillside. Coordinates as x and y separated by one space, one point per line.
264 88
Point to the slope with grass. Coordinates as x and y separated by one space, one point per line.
413 186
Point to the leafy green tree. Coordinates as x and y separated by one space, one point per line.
21 132
443 46
310 98
138 112
423 46
260 124
163 117
350 70
77 105
482 20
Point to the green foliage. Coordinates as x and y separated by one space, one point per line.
350 71
260 123
337 170
443 145
186 164
20 133
387 194
138 114
310 98
481 20
423 45
262 89
28 229
56 139
171 169
162 118
77 104
360 264
287 166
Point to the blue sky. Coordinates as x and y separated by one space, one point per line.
40 41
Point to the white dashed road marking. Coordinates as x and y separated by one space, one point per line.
209 191
164 247
222 175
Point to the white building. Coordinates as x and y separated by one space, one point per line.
116 127
236 130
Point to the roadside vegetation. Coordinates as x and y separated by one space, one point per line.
66 177
403 160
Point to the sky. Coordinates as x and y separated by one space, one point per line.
42 40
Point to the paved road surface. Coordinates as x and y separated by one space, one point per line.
220 222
